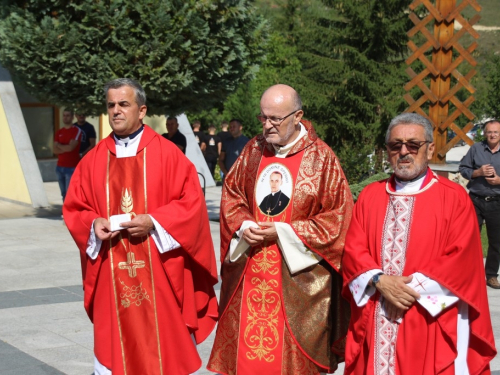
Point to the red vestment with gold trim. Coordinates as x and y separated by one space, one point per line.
437 230
274 322
145 305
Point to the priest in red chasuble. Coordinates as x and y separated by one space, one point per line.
413 269
136 210
285 209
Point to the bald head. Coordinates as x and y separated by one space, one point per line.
280 114
283 94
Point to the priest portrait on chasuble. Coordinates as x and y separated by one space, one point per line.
148 282
413 269
285 209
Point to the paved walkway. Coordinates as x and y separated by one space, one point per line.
43 326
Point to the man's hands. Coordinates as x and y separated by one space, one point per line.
102 229
494 180
139 226
256 236
488 172
398 296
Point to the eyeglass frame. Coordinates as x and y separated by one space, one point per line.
419 143
280 119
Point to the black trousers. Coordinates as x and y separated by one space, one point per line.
489 213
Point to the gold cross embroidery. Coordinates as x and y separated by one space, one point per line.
131 264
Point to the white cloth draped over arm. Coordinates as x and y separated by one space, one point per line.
297 255
238 245
163 240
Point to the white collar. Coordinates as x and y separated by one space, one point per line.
126 147
281 152
409 186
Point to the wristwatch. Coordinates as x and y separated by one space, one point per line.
376 279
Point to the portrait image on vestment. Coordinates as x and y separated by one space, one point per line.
274 189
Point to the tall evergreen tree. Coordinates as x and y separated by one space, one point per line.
352 54
188 54
493 97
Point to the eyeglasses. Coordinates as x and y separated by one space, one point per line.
412 146
492 133
274 120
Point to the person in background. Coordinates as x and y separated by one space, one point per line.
213 149
481 166
233 146
174 135
200 136
223 135
67 148
88 134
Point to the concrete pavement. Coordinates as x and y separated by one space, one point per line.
43 326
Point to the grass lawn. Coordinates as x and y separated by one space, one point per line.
484 240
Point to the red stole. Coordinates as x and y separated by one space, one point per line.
262 319
132 270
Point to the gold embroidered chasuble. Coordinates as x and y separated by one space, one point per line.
273 321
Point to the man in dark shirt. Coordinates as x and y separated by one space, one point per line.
200 136
481 166
174 135
88 134
213 149
232 148
224 135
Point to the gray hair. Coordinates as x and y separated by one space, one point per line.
411 119
297 101
140 95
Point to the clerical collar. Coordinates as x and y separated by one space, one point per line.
276 192
127 147
282 151
128 138
410 186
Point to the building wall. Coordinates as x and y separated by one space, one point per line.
12 182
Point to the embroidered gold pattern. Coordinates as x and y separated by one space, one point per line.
127 203
131 264
261 334
265 261
134 294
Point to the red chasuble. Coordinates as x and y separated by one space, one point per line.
273 322
145 305
433 231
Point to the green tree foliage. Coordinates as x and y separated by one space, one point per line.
280 65
188 54
493 97
351 54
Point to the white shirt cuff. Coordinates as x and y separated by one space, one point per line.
360 289
93 243
163 240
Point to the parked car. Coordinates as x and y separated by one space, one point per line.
475 131
472 134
